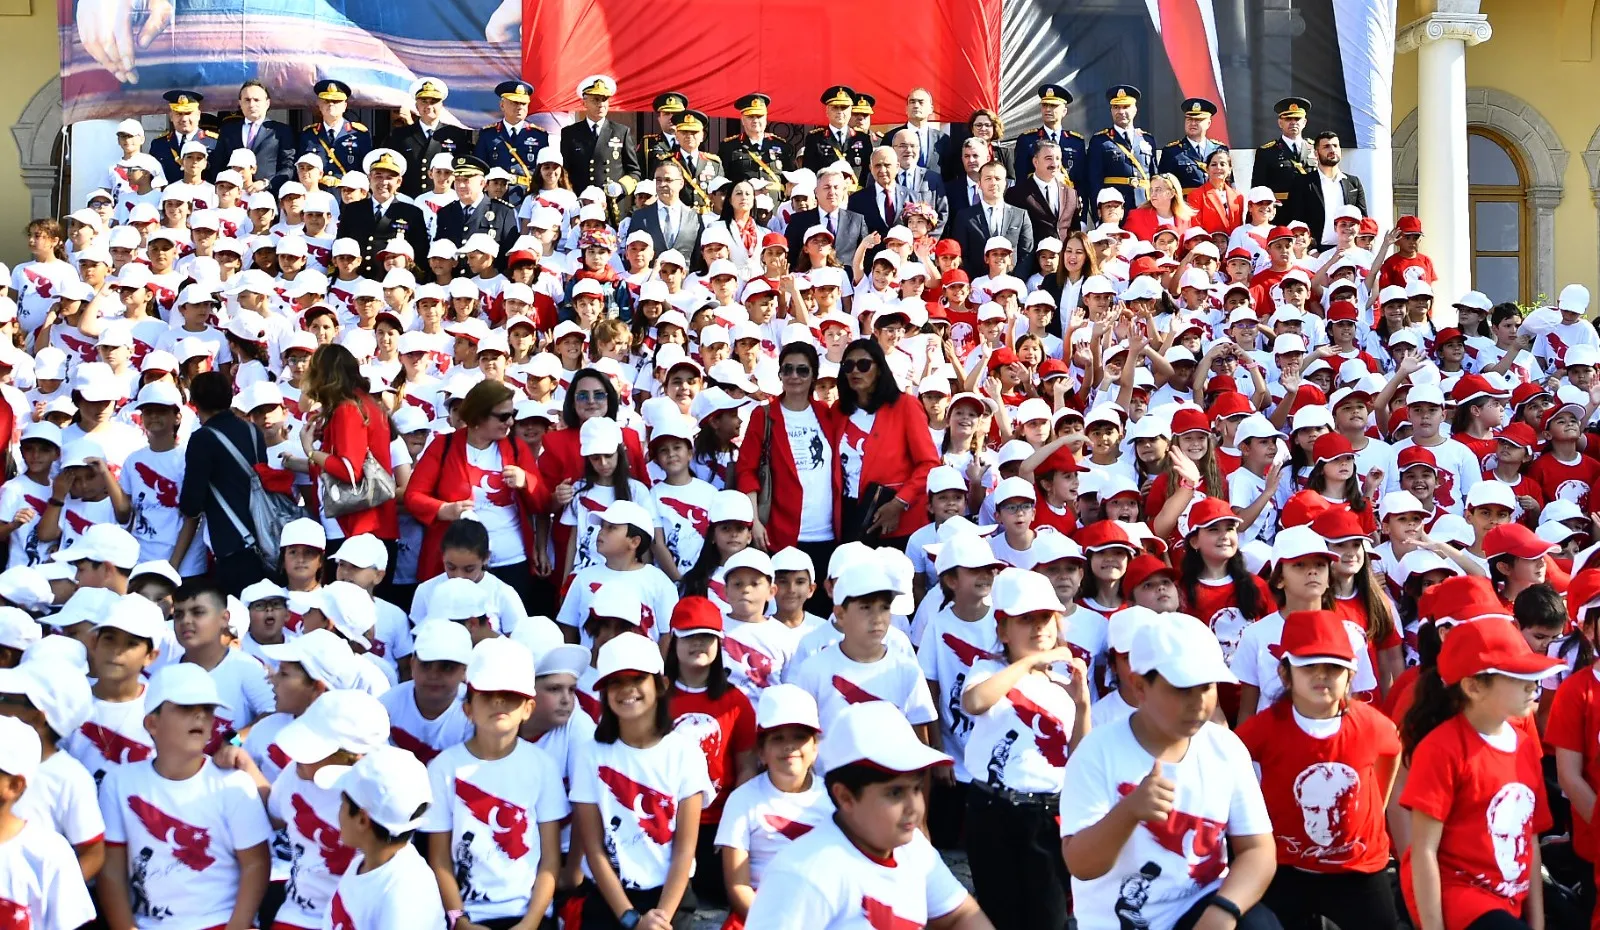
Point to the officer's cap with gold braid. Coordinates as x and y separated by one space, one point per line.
1199 106
1122 95
864 104
753 104
671 102
1054 93
514 91
429 88
465 166
839 95
597 85
384 160
332 90
182 101
1293 108
690 121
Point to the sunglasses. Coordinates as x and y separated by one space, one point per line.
590 397
862 365
505 417
795 371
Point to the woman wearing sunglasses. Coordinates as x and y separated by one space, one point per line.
484 470
884 451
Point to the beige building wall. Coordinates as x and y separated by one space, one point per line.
32 60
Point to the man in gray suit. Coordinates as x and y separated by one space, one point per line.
992 216
671 225
933 143
923 185
847 226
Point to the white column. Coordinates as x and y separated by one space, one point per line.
1440 40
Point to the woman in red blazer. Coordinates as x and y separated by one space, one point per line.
481 468
347 426
802 434
1219 207
1166 208
882 439
590 395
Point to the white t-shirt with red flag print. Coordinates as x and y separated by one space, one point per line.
241 682
152 481
950 647
1164 868
41 886
683 512
182 840
762 821
638 792
492 811
822 881
656 592
583 514
114 735
418 735
757 653
400 893
1021 742
317 857
836 681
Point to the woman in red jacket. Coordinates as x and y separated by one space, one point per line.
348 426
801 460
1218 205
590 395
482 469
884 448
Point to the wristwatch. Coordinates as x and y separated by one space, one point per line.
629 919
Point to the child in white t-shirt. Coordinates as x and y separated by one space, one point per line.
40 884
126 644
53 698
1152 804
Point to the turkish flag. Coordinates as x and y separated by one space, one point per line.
789 51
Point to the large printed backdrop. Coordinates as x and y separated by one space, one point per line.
1337 53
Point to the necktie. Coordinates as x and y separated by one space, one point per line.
832 231
427 135
888 207
905 179
377 211
1050 195
251 140
671 224
994 221
922 149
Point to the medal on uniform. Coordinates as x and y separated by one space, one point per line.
488 217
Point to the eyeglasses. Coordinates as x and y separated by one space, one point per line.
795 371
862 365
505 417
590 397
1016 507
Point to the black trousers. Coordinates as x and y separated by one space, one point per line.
1259 917
1499 920
238 571
947 814
597 913
1350 900
1014 850
537 597
709 887
820 552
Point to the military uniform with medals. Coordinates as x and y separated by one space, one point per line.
513 150
761 161
699 169
1279 167
418 147
495 218
168 147
1182 157
657 147
604 158
1074 147
823 145
342 147
1123 162
374 226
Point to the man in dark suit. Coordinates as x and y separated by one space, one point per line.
922 185
427 135
933 143
600 152
992 216
670 222
847 226
754 154
837 141
476 212
1320 195
183 108
963 191
374 222
272 142
882 200
1050 200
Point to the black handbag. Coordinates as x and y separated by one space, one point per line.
859 513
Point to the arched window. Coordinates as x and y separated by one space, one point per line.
1497 193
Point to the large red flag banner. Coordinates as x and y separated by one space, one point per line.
714 51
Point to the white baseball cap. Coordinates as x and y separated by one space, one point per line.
1182 650
1397 502
864 577
103 542
627 652
731 507
26 587
303 532
1124 624
363 551
877 733
442 641
350 609
1492 494
136 616
56 690
351 720
457 599
752 558
599 436
19 749
628 513
501 664
786 705
790 559
182 683
1018 591
388 783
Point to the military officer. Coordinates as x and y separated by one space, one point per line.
183 108
699 168
837 141
1122 156
340 143
861 118
755 154
475 211
1053 102
657 146
428 135
1283 163
384 216
598 151
1186 157
512 143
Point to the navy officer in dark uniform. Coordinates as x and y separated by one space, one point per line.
383 216
1283 163
657 147
1186 157
427 135
755 155
511 143
183 108
475 211
599 151
1122 156
836 141
1053 102
340 143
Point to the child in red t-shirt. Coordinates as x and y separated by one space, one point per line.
1573 730
1358 594
1515 447
1406 238
1327 765
1054 471
1561 470
1476 787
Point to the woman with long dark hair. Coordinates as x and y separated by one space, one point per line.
738 216
348 426
884 450
800 454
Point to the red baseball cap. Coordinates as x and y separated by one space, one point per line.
1279 232
1408 226
1315 637
1240 254
1472 387
1412 456
694 614
1217 383
1307 395
1460 599
1053 367
1209 510
1143 265
1105 534
1343 311
1492 645
1189 420
1582 592
1527 391
1449 334
774 240
1229 404
1061 460
947 247
1338 524
1368 227
1303 509
1516 540
1398 417
1142 569
1330 446
1002 356
1519 434
954 275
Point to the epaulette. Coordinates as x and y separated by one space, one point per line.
1107 133
712 155
817 132
1271 144
491 125
769 135
730 138
358 127
1173 144
1075 135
